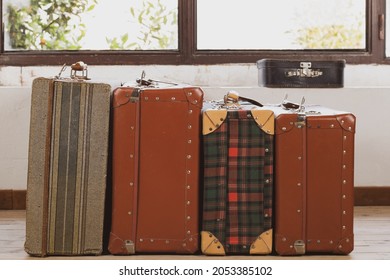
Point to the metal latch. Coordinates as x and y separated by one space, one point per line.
129 245
304 71
299 247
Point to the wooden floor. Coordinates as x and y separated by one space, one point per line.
371 228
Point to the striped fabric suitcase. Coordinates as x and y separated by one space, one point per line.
67 167
238 178
156 142
314 173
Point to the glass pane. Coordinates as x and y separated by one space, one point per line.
281 24
90 24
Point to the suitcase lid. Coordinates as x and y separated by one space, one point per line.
281 63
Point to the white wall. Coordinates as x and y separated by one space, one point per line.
366 94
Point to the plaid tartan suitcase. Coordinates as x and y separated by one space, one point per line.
238 178
314 173
156 142
67 166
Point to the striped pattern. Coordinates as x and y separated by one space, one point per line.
77 169
238 182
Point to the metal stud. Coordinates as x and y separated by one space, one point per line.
344 182
131 184
189 141
188 202
195 101
347 240
151 240
344 212
248 115
284 128
345 137
189 156
184 245
344 152
131 155
129 213
188 187
132 127
267 181
318 241
141 240
344 166
344 227
342 121
284 239
173 98
332 126
344 196
190 239
266 215
340 246
244 247
299 184
331 242
188 217
188 172
188 232
299 211
146 98
299 158
189 93
166 241
189 111
266 150
157 98
189 126
291 246
349 128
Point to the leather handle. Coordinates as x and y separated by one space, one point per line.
232 98
79 67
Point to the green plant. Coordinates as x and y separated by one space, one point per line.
47 24
155 21
330 37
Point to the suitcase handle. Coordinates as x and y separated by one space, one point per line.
75 67
232 99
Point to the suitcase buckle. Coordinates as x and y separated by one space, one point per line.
299 247
304 72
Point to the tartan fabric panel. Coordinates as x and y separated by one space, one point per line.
238 182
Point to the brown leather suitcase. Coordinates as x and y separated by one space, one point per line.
314 181
67 166
238 146
155 163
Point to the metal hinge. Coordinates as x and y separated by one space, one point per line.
130 248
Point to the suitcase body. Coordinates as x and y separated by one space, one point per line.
67 167
238 180
276 73
156 141
314 173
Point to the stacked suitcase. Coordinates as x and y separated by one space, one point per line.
217 178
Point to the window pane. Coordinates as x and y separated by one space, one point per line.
281 24
90 24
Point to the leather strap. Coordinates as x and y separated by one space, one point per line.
233 98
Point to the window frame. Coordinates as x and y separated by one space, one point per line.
187 54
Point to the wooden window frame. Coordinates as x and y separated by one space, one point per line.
187 54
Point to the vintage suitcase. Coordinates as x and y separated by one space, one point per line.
314 181
156 142
238 178
67 165
276 73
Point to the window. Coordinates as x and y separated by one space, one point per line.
44 32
